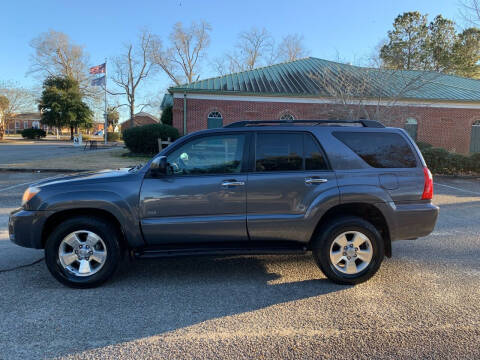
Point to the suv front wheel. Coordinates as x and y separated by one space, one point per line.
83 252
349 250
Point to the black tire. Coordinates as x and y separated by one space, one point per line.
322 244
105 230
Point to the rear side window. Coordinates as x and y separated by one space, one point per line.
279 152
379 149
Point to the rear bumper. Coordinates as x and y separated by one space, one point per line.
411 221
25 227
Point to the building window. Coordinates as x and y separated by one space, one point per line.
214 120
411 126
17 125
25 124
287 116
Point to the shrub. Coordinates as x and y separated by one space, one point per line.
33 133
144 139
423 145
113 136
167 116
440 161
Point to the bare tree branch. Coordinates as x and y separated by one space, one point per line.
181 61
132 68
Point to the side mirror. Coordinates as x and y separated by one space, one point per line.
158 166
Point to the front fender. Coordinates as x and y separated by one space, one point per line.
124 210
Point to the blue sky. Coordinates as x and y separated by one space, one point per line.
346 28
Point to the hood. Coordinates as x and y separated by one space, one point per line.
84 177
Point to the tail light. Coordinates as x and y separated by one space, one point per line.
428 184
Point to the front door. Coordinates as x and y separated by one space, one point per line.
203 198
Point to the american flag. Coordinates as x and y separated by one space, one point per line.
99 69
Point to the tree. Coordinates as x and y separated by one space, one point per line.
467 53
405 48
439 46
132 68
55 55
15 99
181 61
292 48
3 109
112 117
167 116
254 48
470 11
61 104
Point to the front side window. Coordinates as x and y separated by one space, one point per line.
219 154
279 152
379 149
314 158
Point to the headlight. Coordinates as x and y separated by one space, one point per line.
29 193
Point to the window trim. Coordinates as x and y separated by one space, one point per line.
253 156
245 157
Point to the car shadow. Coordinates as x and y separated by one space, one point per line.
151 297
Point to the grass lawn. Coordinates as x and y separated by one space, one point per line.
89 160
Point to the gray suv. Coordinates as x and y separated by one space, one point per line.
343 190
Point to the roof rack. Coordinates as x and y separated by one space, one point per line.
364 123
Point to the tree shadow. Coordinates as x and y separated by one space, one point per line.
151 297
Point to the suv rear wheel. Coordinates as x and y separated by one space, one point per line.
349 250
83 252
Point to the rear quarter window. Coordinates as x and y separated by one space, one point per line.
379 149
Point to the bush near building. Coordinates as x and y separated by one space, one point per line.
442 162
113 136
33 133
144 139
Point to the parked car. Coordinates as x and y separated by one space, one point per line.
342 190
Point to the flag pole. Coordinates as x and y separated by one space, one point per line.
105 126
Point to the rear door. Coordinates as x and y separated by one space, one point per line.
290 175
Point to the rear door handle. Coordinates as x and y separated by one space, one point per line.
233 183
315 180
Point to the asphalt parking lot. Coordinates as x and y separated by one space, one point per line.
423 303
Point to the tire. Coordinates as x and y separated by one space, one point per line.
364 250
96 242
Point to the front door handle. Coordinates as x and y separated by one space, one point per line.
315 180
228 183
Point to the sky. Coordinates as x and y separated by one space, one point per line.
342 29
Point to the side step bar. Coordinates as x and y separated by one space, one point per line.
162 252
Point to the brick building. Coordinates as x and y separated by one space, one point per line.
142 118
443 110
25 121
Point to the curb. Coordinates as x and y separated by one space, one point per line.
43 170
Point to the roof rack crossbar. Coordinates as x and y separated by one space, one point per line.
364 123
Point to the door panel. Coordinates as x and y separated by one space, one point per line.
177 209
283 206
204 197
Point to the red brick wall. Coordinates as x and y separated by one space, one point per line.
449 128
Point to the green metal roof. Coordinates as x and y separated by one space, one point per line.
316 77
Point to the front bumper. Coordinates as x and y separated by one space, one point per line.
25 227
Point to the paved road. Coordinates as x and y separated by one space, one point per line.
423 303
